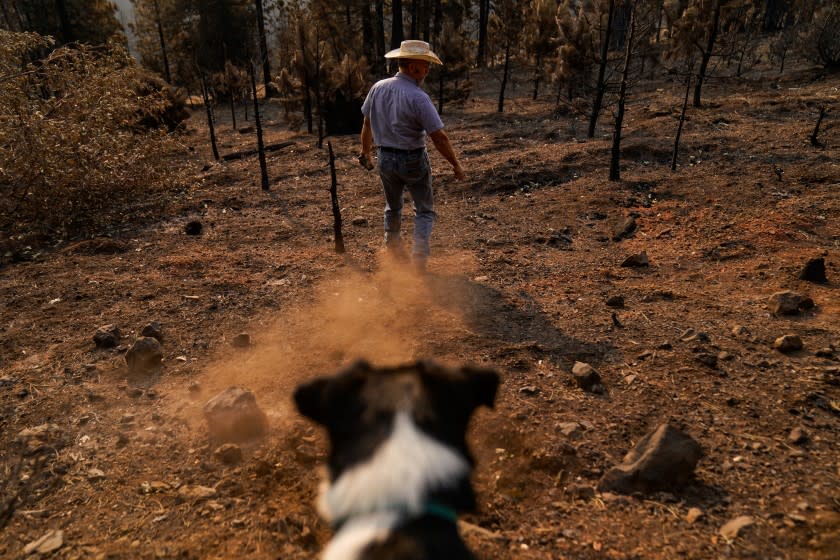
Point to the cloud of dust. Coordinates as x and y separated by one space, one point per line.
382 317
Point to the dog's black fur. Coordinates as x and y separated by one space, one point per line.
377 420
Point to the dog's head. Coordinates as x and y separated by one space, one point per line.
397 435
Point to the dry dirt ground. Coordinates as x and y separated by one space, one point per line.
523 264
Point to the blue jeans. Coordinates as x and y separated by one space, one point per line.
412 171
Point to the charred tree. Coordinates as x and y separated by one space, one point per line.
601 86
305 80
707 52
483 19
258 126
336 209
163 51
397 34
266 66
67 35
814 140
209 109
615 173
319 103
682 120
501 108
379 61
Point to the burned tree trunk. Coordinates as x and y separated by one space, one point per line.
601 86
682 120
266 66
336 209
501 108
205 95
707 53
615 173
163 50
814 141
258 126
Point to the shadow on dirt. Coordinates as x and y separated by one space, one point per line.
508 330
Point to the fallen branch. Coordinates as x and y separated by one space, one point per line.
254 151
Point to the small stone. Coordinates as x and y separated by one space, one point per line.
798 436
814 271
639 260
242 340
144 357
190 492
724 356
107 336
694 514
664 459
740 331
194 387
789 303
233 415
615 301
586 376
95 475
788 343
229 454
153 330
50 542
571 430
708 360
731 529
529 390
127 418
360 221
581 491
824 353
133 392
624 229
193 228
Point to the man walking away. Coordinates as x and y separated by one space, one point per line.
398 116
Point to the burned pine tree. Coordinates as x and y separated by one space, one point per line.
336 209
205 94
615 157
258 126
682 118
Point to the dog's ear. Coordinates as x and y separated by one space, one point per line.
309 399
483 384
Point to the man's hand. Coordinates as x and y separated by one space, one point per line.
366 161
459 172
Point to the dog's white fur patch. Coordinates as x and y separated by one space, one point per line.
358 533
399 475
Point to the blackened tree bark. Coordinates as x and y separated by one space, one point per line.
266 65
336 209
397 35
706 54
305 79
258 126
682 118
600 85
436 26
504 77
163 50
319 104
67 35
379 64
368 45
483 19
615 174
814 137
415 16
209 109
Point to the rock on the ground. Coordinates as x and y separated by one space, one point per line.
359 221
788 343
193 228
107 336
233 415
229 454
615 301
242 340
789 303
662 460
586 376
694 514
153 330
798 436
731 529
639 260
814 271
196 492
624 229
144 357
50 542
570 429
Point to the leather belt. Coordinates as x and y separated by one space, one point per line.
399 151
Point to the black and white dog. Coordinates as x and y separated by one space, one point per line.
399 467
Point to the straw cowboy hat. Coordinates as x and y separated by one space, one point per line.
415 50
